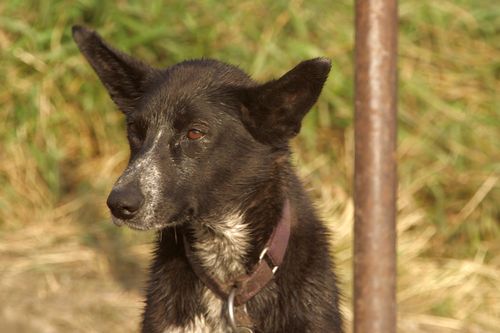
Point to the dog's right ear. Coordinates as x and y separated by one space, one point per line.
273 111
124 77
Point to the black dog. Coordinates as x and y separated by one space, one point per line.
209 169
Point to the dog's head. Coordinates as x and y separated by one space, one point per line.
202 134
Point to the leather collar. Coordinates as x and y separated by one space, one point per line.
248 285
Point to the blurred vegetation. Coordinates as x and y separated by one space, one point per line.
63 144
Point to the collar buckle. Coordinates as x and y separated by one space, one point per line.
263 254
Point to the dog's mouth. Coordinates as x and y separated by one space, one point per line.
155 223
143 227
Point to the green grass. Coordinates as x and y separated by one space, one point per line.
63 142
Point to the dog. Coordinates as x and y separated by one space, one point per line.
239 246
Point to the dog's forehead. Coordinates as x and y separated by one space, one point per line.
192 89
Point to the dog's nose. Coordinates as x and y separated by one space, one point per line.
125 201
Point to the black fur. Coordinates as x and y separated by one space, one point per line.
206 139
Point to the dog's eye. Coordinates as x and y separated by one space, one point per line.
195 134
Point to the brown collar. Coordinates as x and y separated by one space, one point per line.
248 285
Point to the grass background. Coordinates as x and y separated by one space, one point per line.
65 268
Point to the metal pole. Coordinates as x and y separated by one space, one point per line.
375 167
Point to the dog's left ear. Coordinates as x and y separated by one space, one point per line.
273 112
124 77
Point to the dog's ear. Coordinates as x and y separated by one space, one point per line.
124 77
273 111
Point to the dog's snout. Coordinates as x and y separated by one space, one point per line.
125 201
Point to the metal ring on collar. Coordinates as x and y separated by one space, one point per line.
230 312
230 309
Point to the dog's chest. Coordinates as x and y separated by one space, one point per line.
213 320
220 248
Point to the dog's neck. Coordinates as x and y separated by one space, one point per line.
228 245
228 242
222 244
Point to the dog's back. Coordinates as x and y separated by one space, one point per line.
210 170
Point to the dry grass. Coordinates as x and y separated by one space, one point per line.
66 269
435 294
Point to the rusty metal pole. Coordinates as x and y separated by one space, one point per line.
375 167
